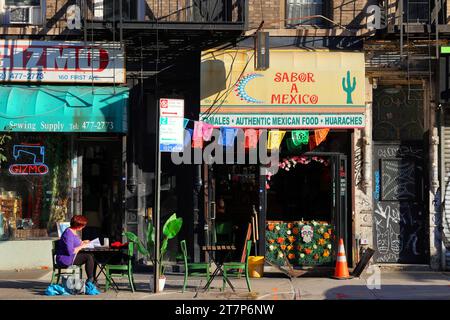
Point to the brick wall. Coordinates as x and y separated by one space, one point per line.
192 10
271 11
349 13
56 13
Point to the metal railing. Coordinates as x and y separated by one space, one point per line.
166 11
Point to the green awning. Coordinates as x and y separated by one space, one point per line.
47 108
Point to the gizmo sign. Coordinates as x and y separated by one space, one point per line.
54 61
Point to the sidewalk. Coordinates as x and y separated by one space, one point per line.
428 285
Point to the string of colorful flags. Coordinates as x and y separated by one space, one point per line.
203 131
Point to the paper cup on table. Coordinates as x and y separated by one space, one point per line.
106 242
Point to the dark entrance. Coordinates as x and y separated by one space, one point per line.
102 192
399 175
233 197
316 190
319 191
399 211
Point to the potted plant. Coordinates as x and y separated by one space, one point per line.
170 229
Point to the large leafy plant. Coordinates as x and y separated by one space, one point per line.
170 229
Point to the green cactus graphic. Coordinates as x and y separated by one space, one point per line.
349 88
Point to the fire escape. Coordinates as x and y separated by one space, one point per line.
413 24
162 31
419 40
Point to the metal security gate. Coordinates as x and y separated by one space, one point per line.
399 219
446 188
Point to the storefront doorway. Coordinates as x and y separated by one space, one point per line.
307 209
400 188
302 210
102 193
233 198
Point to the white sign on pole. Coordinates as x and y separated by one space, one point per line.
171 125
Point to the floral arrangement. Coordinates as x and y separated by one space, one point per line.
302 242
290 162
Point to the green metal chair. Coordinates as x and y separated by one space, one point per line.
193 268
121 270
234 269
59 271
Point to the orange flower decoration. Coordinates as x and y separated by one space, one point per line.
307 251
291 239
271 240
299 248
289 225
295 231
283 247
316 257
290 248
291 256
280 240
326 253
321 241
326 235
271 226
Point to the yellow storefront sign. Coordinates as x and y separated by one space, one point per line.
299 90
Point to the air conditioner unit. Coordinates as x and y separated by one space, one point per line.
24 15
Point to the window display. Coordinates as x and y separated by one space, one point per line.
301 242
34 185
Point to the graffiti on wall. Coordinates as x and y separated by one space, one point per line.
398 230
398 179
358 160
399 215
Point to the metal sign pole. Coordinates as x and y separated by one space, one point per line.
156 266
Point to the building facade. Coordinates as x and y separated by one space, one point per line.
385 178
397 168
80 81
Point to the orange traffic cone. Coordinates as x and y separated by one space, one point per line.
341 270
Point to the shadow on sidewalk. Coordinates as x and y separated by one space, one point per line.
34 287
386 292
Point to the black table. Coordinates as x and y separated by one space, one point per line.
102 257
219 254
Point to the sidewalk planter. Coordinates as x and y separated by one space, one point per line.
162 283
256 266
304 243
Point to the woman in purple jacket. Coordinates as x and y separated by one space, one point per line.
68 247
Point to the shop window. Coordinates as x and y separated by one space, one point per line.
23 2
300 212
110 10
22 12
298 11
417 11
34 183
